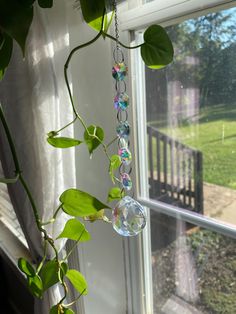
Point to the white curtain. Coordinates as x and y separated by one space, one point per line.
35 101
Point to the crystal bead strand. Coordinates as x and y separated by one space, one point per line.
128 216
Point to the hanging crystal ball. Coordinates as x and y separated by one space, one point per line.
119 71
126 181
123 129
125 155
128 217
121 101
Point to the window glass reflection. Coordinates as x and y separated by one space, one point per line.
193 268
191 112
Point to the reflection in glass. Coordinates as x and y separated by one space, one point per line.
193 269
191 112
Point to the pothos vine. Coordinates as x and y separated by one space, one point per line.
156 51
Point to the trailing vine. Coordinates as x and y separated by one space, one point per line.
156 51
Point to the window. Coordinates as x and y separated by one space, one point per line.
186 120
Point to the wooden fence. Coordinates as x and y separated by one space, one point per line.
175 172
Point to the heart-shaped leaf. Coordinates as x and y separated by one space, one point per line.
77 280
93 11
157 50
68 311
49 274
115 162
79 203
15 19
55 309
5 53
93 137
35 286
45 3
63 142
26 267
75 230
115 194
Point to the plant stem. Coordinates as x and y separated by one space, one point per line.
10 141
67 65
33 205
120 43
44 257
111 142
64 127
66 75
57 211
75 300
73 247
63 284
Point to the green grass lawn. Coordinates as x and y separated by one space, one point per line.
215 137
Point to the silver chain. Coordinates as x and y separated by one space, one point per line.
117 35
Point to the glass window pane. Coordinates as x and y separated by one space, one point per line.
193 269
191 115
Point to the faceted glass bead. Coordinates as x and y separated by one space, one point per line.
123 129
121 101
128 217
125 155
126 181
119 71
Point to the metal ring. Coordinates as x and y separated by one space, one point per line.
119 116
118 55
118 86
122 169
130 191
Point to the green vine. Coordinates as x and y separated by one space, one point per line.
156 51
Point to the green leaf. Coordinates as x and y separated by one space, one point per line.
115 194
75 230
35 286
115 162
55 309
26 267
157 50
68 311
5 53
63 142
45 3
79 203
77 280
49 274
59 309
93 137
15 19
93 12
9 180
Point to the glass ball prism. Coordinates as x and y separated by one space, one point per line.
123 129
128 217
119 71
121 101
125 155
126 181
